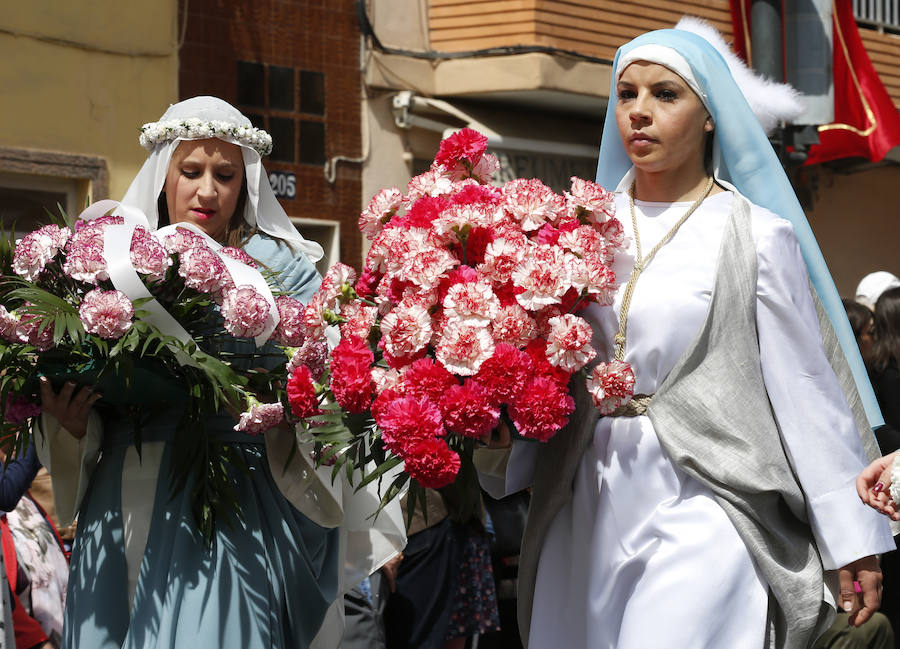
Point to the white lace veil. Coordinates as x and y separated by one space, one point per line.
261 208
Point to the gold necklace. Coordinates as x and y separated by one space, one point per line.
641 263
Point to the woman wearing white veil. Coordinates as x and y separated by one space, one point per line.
713 509
141 575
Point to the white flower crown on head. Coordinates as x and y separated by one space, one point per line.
153 133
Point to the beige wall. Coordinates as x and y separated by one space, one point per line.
856 219
80 78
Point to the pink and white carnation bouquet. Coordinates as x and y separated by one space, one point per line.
175 321
465 312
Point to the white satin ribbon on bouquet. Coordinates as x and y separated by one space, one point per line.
116 239
124 277
241 274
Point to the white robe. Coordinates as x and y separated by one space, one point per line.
643 556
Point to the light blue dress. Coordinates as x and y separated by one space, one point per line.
268 579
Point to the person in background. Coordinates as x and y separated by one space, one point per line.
873 285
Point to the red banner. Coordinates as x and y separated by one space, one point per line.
866 122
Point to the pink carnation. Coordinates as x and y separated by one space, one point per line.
260 417
19 409
314 315
484 169
407 420
360 320
291 329
501 257
337 277
379 211
29 331
238 254
426 378
84 255
148 255
405 330
432 463
595 279
465 145
37 248
505 373
351 377
471 303
426 268
611 384
531 203
468 410
245 312
313 354
9 322
302 393
107 314
202 270
541 409
543 276
434 182
569 342
513 325
463 348
589 201
614 234
182 240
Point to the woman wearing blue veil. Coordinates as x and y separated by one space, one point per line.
718 509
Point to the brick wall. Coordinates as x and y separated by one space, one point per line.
309 36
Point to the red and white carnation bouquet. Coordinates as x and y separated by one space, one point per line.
466 308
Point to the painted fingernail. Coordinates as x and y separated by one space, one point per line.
856 587
878 487
848 606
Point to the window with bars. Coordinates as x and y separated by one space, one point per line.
290 105
883 14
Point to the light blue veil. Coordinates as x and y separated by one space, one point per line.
744 158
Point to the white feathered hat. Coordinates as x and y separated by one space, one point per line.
771 102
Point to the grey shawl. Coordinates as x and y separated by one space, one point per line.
751 479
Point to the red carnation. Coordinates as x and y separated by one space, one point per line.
367 282
465 144
406 421
542 409
459 275
423 212
537 350
351 377
302 393
425 378
476 244
505 373
468 410
432 463
475 193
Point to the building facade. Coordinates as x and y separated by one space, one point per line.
77 80
534 76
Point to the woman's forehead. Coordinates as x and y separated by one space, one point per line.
211 148
649 71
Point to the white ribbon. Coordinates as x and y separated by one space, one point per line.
241 274
117 238
125 278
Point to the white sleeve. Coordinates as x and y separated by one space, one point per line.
69 461
817 427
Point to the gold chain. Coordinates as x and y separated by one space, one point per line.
641 263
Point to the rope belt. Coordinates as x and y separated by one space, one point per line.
636 407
